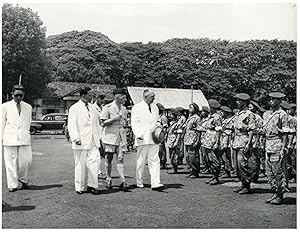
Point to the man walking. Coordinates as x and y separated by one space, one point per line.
144 120
113 117
16 119
84 129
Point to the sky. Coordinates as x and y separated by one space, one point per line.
132 22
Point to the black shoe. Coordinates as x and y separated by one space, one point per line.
158 188
123 186
245 191
92 190
194 176
12 190
24 185
79 192
189 175
210 180
172 172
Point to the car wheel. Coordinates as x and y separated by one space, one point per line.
32 130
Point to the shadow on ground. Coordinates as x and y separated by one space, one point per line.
7 207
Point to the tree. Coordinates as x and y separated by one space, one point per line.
23 52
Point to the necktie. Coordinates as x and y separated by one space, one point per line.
150 108
87 107
19 108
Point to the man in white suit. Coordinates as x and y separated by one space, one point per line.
16 119
84 129
144 119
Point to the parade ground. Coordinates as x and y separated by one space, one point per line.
52 202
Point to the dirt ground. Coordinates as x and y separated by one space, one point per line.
51 202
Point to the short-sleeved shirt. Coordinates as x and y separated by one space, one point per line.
202 127
292 123
275 125
257 141
192 123
225 138
244 122
114 134
213 125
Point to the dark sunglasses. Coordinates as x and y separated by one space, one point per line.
18 95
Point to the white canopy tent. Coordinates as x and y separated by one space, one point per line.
170 98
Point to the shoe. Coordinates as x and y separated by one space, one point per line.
245 191
277 201
214 182
79 192
238 190
159 188
172 172
210 180
123 186
272 198
188 176
12 190
226 175
194 176
293 180
109 184
24 185
140 185
92 190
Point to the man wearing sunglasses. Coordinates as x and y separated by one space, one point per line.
16 120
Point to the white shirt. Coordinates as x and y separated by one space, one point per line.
97 107
15 127
84 124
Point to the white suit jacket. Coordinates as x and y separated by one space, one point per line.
15 127
84 125
143 122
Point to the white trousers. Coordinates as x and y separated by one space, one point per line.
17 161
90 159
149 152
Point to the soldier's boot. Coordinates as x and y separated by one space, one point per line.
210 180
278 200
275 195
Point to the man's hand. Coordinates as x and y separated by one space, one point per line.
78 142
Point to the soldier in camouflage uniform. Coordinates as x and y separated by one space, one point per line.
276 128
292 123
257 149
225 139
244 125
211 141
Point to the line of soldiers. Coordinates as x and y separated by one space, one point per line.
249 142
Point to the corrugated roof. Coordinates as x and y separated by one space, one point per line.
170 98
61 88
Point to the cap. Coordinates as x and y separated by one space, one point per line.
119 91
255 104
196 107
160 106
205 108
277 95
285 105
293 105
175 111
148 92
213 103
242 96
226 109
261 109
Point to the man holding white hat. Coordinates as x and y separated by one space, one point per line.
144 119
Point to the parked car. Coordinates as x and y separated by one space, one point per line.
54 121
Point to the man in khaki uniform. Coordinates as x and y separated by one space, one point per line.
276 129
113 117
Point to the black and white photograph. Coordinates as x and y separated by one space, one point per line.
149 115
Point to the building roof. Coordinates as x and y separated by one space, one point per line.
61 89
170 98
